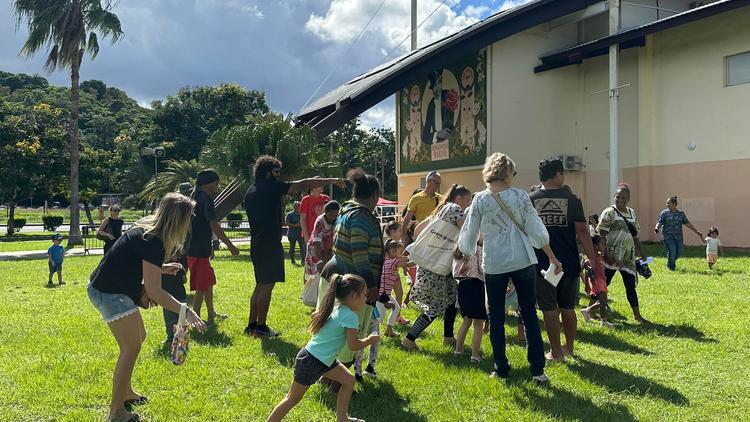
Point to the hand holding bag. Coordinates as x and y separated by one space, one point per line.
433 249
102 237
181 338
310 291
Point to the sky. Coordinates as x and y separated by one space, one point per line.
283 47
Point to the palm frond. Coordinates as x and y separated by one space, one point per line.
67 26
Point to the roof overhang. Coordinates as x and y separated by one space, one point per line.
349 100
634 37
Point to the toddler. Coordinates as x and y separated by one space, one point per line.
713 247
597 283
55 256
471 301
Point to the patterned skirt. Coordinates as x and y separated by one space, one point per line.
434 293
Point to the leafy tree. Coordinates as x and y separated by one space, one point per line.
32 144
70 27
232 151
377 155
169 180
190 117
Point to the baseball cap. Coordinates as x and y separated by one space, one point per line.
57 236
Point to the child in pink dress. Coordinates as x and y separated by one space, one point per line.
597 283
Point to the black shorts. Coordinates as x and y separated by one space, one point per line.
308 369
551 298
471 298
268 261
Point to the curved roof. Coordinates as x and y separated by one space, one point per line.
349 100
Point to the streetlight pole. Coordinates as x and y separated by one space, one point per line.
614 99
413 25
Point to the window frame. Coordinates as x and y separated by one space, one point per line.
727 59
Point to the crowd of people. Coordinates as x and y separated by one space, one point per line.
477 254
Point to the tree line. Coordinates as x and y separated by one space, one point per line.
221 126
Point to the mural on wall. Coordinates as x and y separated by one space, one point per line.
443 118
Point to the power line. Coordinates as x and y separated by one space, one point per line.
380 6
408 36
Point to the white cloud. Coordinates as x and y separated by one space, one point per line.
381 115
344 19
507 4
476 11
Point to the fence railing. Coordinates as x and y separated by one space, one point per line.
236 231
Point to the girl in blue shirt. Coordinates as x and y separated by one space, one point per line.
332 328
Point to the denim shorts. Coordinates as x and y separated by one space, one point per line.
112 306
54 267
308 369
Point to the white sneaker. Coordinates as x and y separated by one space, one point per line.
540 379
586 315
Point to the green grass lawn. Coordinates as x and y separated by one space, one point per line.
57 355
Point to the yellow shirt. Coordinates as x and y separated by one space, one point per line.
423 205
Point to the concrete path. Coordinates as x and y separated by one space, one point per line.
12 256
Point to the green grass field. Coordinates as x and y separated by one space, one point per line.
57 355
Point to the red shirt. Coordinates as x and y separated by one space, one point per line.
312 207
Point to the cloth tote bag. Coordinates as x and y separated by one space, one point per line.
310 291
433 249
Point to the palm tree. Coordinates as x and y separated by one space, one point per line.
68 28
177 172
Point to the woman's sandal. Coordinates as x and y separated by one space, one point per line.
414 348
476 359
140 401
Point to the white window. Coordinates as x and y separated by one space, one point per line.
738 69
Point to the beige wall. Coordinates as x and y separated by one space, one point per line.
676 97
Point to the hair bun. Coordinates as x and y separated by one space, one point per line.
355 174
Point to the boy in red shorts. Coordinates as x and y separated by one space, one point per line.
200 251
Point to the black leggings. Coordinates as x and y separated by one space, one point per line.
629 281
423 321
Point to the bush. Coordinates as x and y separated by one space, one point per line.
52 222
18 224
234 219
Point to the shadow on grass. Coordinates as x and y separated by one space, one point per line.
618 381
212 337
609 341
285 352
377 400
671 330
563 404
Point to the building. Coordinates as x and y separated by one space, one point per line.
533 82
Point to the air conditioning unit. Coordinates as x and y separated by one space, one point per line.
572 163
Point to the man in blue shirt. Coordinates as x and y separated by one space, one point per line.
294 233
55 255
672 220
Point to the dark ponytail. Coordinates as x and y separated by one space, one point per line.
450 197
339 287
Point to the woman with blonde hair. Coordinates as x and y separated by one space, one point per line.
511 229
129 276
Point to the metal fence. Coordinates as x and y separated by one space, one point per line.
236 231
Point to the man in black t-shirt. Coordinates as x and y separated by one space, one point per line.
562 213
200 250
264 206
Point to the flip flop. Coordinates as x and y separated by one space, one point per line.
414 348
140 401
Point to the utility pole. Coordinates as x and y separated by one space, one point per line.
413 25
614 99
